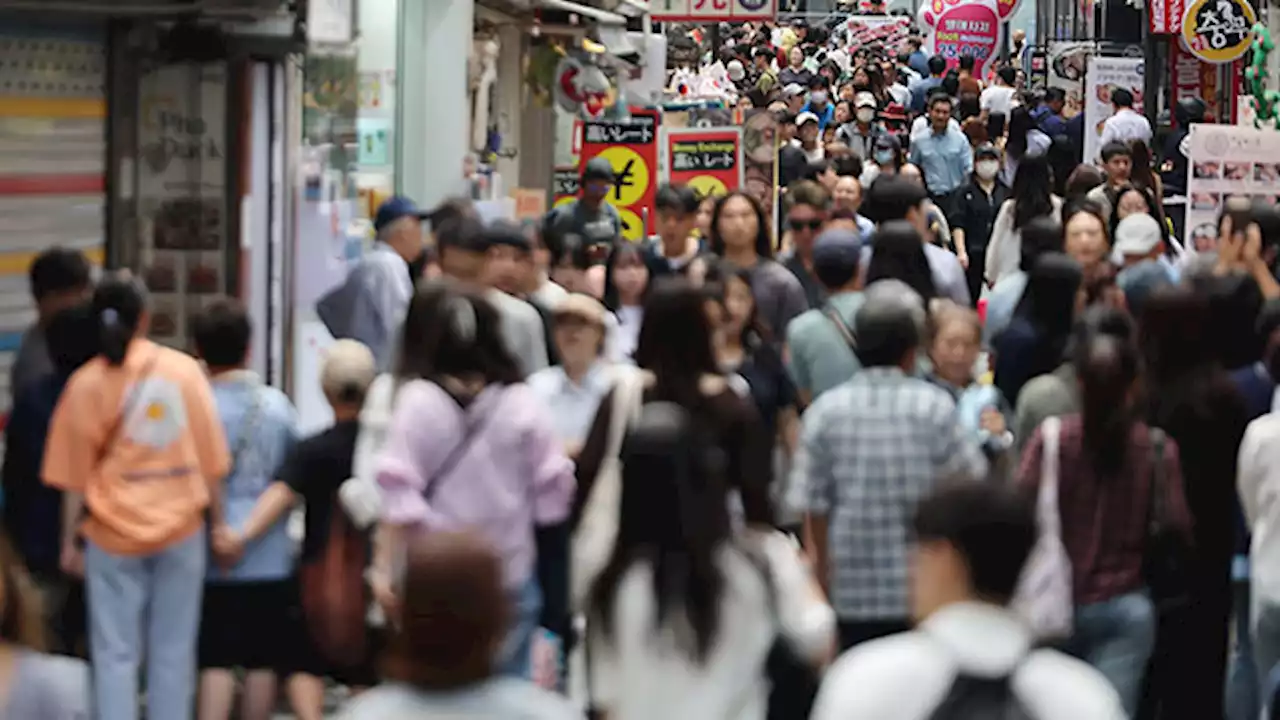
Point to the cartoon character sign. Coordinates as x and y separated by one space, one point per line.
583 88
966 27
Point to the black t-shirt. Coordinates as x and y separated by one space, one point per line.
315 469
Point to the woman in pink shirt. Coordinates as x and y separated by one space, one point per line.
470 448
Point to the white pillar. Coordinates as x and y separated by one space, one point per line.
434 109
509 96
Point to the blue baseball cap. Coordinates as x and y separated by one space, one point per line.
837 251
395 208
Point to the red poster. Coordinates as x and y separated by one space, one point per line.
709 161
632 150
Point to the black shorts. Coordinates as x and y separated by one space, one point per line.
244 624
301 655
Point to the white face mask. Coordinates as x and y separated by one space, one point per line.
987 169
866 115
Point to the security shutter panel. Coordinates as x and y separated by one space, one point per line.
52 155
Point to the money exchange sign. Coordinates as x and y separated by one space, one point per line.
632 151
707 159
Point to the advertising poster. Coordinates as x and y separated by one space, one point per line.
713 10
632 150
1227 160
955 28
759 149
565 180
1105 75
1066 66
707 160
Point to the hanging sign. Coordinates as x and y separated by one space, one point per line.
1218 31
956 28
1165 17
632 150
712 10
709 160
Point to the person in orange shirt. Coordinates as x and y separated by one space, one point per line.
138 449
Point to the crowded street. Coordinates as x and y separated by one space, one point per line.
641 360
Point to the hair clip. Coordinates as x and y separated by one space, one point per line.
110 317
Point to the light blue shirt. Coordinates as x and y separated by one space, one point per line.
370 305
572 406
1001 302
945 160
261 428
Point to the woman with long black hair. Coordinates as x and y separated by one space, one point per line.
626 281
1036 339
1024 139
1109 464
1031 197
740 234
899 255
683 617
1191 397
676 355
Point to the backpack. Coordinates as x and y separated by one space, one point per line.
981 698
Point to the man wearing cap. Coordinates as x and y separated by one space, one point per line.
808 131
762 64
370 304
820 341
589 216
863 131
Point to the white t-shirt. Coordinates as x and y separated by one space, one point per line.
639 672
906 676
997 99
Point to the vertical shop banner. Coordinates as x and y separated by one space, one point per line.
632 150
709 160
956 28
1165 16
1227 160
1105 75
1066 66
1192 79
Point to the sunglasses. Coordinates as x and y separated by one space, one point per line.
798 225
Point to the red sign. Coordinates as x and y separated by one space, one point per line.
709 161
1164 17
707 11
1192 78
631 148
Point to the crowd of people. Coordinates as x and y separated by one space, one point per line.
953 437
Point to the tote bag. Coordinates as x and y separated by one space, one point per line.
1043 596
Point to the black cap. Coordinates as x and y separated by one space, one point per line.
597 168
986 150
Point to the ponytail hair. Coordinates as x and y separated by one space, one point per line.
119 302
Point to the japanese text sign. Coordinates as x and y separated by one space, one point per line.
713 10
632 151
709 160
564 185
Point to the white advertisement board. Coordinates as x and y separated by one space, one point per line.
1106 74
1227 160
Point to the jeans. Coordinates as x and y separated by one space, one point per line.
1242 701
145 606
1116 637
515 657
1266 645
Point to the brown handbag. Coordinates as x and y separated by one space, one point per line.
335 599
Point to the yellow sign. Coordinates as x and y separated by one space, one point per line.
630 175
564 200
1218 31
632 225
708 186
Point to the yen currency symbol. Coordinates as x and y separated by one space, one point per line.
630 175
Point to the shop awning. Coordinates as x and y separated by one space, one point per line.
601 16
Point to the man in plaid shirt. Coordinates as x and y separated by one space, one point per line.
870 450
